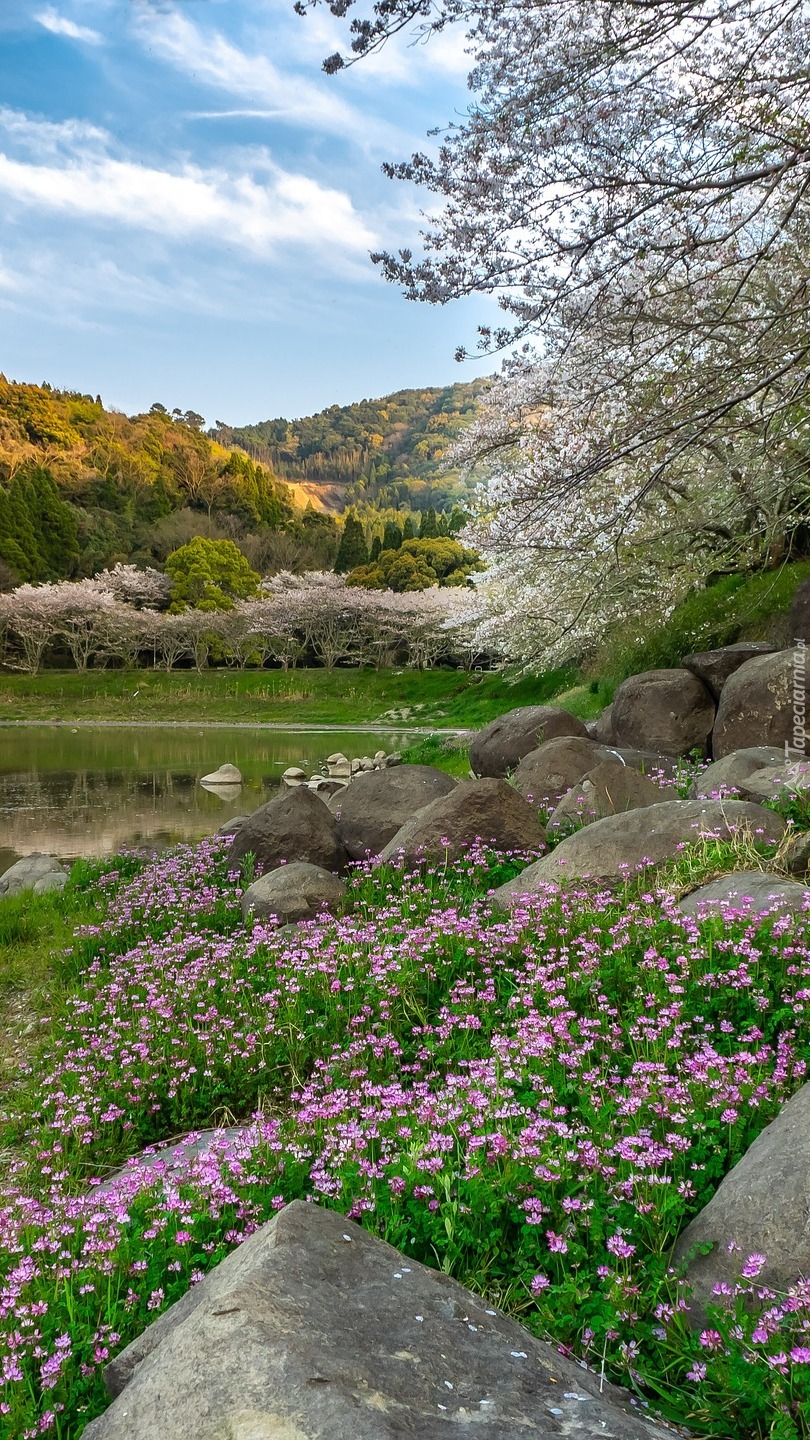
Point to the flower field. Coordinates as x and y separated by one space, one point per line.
536 1104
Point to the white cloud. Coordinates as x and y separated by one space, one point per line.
58 24
231 210
215 61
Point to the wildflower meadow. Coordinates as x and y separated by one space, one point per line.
535 1103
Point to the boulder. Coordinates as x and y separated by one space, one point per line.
666 710
39 873
231 826
799 619
796 853
487 810
546 774
610 848
753 892
294 775
173 1158
648 762
773 782
761 1207
714 667
294 825
325 787
498 749
293 892
313 1329
609 789
602 727
730 774
764 703
378 803
225 775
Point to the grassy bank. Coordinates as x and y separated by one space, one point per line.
537 1105
433 698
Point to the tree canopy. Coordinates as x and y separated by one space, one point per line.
209 575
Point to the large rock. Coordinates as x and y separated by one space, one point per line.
799 619
761 1207
498 749
609 789
39 873
714 667
313 1329
731 773
764 703
611 848
545 775
602 727
751 892
488 810
666 710
774 782
293 892
379 802
294 825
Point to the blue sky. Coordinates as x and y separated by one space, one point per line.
188 204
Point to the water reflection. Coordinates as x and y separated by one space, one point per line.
93 792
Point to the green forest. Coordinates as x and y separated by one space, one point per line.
387 454
84 487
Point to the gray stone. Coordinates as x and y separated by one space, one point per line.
731 773
761 1206
313 1329
546 774
52 881
488 810
765 702
327 786
172 1158
27 873
293 776
611 848
774 782
225 775
714 667
796 853
609 789
293 892
752 892
666 710
294 825
231 826
378 803
602 727
799 620
498 749
647 762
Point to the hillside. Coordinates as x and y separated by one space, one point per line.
83 487
389 453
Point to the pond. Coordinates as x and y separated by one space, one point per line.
93 791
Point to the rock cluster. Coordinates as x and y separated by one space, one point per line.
340 771
39 873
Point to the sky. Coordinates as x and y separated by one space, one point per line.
188 203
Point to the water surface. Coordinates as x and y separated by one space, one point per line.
97 790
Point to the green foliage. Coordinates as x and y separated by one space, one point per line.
417 565
38 531
734 606
353 550
210 575
390 452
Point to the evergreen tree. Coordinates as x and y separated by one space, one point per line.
392 536
352 550
53 523
376 547
408 531
428 529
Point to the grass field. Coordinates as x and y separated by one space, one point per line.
440 699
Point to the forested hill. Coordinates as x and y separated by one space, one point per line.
388 453
83 487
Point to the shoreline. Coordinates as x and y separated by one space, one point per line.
301 729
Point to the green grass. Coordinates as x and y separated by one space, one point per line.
440 698
752 607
